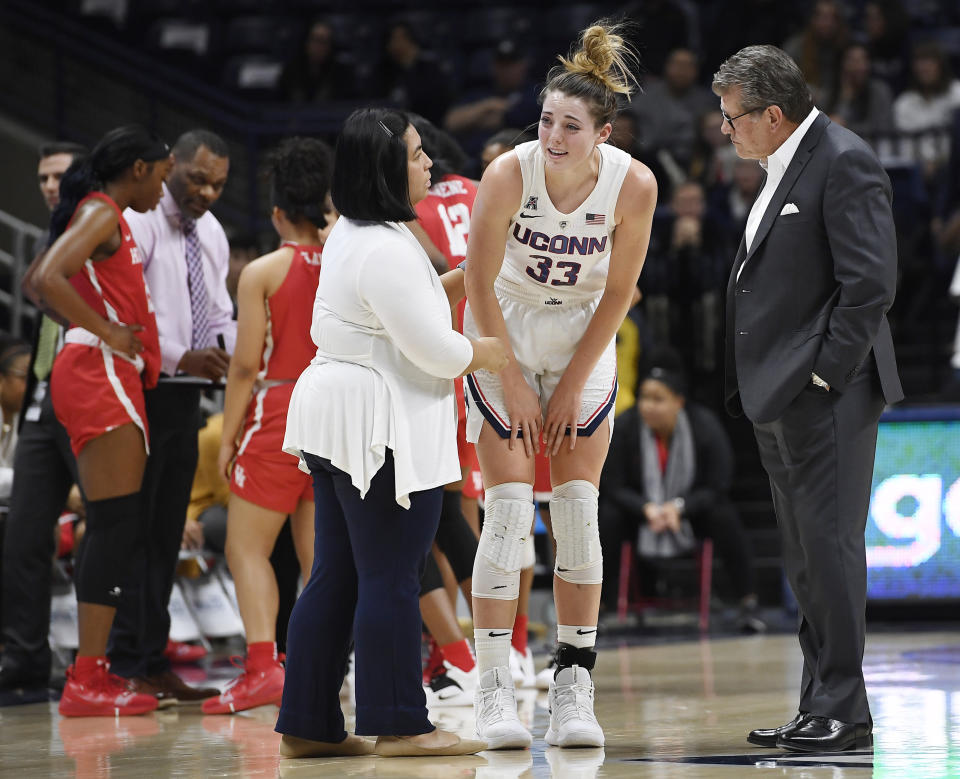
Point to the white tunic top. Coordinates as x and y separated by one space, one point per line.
553 258
386 357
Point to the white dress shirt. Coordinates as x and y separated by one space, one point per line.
160 238
386 357
775 165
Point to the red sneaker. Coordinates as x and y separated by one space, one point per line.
254 687
102 694
181 652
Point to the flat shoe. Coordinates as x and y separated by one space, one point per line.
396 746
351 746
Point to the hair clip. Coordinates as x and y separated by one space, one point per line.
385 128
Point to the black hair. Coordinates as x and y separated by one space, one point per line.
299 171
665 365
186 145
441 147
114 153
11 347
370 167
61 147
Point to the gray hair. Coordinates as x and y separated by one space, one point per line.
766 76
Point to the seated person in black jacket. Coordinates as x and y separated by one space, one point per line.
671 460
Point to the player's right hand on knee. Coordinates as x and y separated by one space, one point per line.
526 416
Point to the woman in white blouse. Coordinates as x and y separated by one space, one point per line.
373 418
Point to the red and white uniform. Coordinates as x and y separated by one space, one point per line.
93 388
444 214
263 473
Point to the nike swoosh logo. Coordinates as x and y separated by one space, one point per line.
499 587
564 570
497 635
585 632
530 216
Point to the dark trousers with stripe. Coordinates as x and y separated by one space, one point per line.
365 584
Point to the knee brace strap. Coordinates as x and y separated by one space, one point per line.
573 513
108 549
508 517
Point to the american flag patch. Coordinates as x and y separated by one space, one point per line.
596 219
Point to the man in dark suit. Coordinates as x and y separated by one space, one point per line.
810 361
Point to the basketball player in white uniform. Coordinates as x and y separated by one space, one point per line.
558 237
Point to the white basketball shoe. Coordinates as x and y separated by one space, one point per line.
572 721
495 708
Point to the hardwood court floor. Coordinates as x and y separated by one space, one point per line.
669 710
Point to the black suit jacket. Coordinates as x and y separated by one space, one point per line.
817 284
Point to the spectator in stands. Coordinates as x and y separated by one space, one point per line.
887 26
859 102
733 206
713 159
671 460
389 424
185 261
275 302
14 363
662 27
206 525
818 47
933 95
689 252
733 24
510 99
315 74
626 133
927 107
46 472
413 78
502 142
669 109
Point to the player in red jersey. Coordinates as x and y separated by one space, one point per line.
275 305
92 277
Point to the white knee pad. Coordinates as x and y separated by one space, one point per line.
529 553
573 513
508 516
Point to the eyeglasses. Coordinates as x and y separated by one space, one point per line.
731 119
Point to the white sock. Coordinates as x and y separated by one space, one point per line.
493 647
579 636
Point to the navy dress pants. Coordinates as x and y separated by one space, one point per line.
365 584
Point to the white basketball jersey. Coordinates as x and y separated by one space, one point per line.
556 258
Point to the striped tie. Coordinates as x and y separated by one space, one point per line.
199 303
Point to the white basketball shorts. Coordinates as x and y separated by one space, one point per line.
544 339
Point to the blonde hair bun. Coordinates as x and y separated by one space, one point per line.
604 55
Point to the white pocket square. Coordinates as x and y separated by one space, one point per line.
789 208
